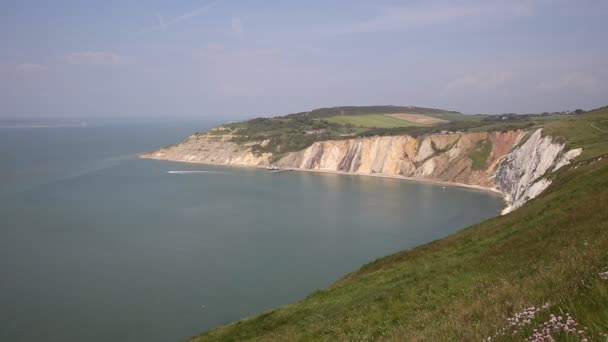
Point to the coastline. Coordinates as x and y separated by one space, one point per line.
378 175
409 179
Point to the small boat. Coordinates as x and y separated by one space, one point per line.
274 169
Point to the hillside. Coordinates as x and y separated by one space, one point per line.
502 278
366 110
293 132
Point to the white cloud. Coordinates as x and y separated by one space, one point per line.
220 52
194 13
210 50
237 26
570 81
312 51
95 58
429 13
27 67
480 81
163 23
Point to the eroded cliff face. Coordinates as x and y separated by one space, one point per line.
516 163
437 157
210 149
525 173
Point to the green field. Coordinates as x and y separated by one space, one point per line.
589 131
552 251
457 117
371 120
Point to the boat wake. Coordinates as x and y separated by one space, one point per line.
194 172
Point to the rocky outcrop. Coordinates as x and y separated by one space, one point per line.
211 149
525 172
516 163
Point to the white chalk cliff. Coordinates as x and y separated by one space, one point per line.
525 172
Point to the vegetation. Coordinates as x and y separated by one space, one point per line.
480 154
364 110
502 278
589 131
297 131
294 132
371 120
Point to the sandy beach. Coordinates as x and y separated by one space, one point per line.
379 175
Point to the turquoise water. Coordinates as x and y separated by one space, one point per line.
97 245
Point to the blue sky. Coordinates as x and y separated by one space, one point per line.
229 59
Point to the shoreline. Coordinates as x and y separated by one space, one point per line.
405 178
377 175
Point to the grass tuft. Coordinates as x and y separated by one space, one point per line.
480 154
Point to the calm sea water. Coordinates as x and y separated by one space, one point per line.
96 245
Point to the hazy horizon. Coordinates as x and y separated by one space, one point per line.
230 60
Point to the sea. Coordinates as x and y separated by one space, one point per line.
98 245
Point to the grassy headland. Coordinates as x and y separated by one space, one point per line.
371 120
551 254
294 132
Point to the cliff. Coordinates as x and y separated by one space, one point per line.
210 149
516 163
525 172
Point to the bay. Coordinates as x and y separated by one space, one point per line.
98 245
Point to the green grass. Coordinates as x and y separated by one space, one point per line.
480 154
589 131
371 120
452 117
504 126
465 286
366 110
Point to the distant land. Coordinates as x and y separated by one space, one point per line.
41 123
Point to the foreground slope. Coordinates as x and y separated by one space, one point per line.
552 252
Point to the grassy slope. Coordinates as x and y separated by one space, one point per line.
372 120
457 116
589 131
463 287
480 154
365 110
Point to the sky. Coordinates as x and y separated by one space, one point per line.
232 59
